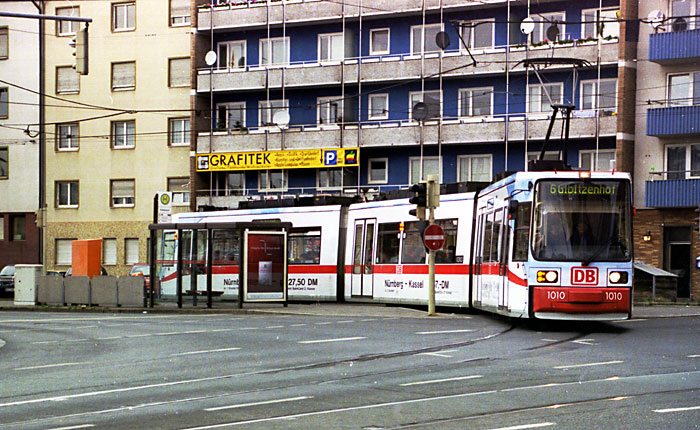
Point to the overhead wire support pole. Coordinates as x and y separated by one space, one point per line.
49 17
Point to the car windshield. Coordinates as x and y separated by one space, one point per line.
8 271
581 221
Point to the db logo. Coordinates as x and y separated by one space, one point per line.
584 275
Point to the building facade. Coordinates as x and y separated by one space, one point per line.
19 135
121 133
667 168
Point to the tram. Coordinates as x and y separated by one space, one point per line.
545 245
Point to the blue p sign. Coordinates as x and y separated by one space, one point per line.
330 158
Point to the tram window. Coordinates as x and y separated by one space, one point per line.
496 236
488 230
168 248
522 232
357 251
447 253
388 243
226 247
413 251
304 246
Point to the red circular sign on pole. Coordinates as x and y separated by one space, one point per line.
434 237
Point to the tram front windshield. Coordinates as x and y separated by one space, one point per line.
577 220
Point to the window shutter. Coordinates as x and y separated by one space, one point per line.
131 248
64 251
123 75
67 79
109 252
4 43
122 189
179 7
179 72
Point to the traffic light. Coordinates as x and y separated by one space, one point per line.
433 193
79 43
420 200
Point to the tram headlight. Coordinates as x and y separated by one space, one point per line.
547 276
616 277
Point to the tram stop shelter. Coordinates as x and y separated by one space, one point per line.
652 283
243 262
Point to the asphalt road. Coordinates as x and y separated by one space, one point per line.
80 371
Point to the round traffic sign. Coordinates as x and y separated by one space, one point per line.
434 237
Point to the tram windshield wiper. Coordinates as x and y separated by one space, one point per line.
612 241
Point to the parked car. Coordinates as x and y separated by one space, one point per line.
141 269
7 279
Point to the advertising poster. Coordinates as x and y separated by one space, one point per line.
266 266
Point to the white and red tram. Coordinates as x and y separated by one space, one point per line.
549 245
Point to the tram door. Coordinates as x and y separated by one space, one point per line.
363 258
479 259
504 242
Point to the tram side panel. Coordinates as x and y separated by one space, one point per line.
386 261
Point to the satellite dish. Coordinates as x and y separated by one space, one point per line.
210 58
442 40
679 24
553 31
281 118
527 26
655 18
420 111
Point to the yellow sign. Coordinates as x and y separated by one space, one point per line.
291 159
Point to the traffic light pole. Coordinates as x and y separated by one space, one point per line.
433 200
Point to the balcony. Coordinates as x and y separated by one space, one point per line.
674 47
397 133
391 67
673 121
671 193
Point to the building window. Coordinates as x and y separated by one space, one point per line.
67 80
109 252
605 160
431 166
274 51
229 184
123 193
272 180
474 168
334 179
379 106
4 163
180 187
379 41
2 227
543 21
683 161
64 251
684 89
179 72
432 99
331 47
230 116
231 55
423 38
548 155
131 251
476 101
179 12
600 23
538 100
4 105
124 16
18 224
605 99
124 76
267 110
329 110
4 43
67 137
477 34
67 194
123 134
685 10
68 28
378 171
179 131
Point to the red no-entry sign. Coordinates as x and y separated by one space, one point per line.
434 237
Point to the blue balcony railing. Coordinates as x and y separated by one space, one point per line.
672 193
675 46
673 121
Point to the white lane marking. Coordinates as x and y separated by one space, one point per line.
76 340
275 326
204 352
47 366
435 381
339 339
324 323
85 326
344 322
249 328
694 356
82 426
44 342
603 363
665 411
585 342
108 338
629 321
266 402
445 331
298 325
526 426
439 354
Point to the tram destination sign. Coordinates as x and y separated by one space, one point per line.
283 159
434 237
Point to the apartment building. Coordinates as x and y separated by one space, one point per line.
19 134
121 133
667 168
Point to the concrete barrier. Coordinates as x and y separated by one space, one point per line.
76 290
103 290
50 290
130 290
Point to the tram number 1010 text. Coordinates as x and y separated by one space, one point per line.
556 295
613 296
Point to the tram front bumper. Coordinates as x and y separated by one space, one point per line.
581 300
